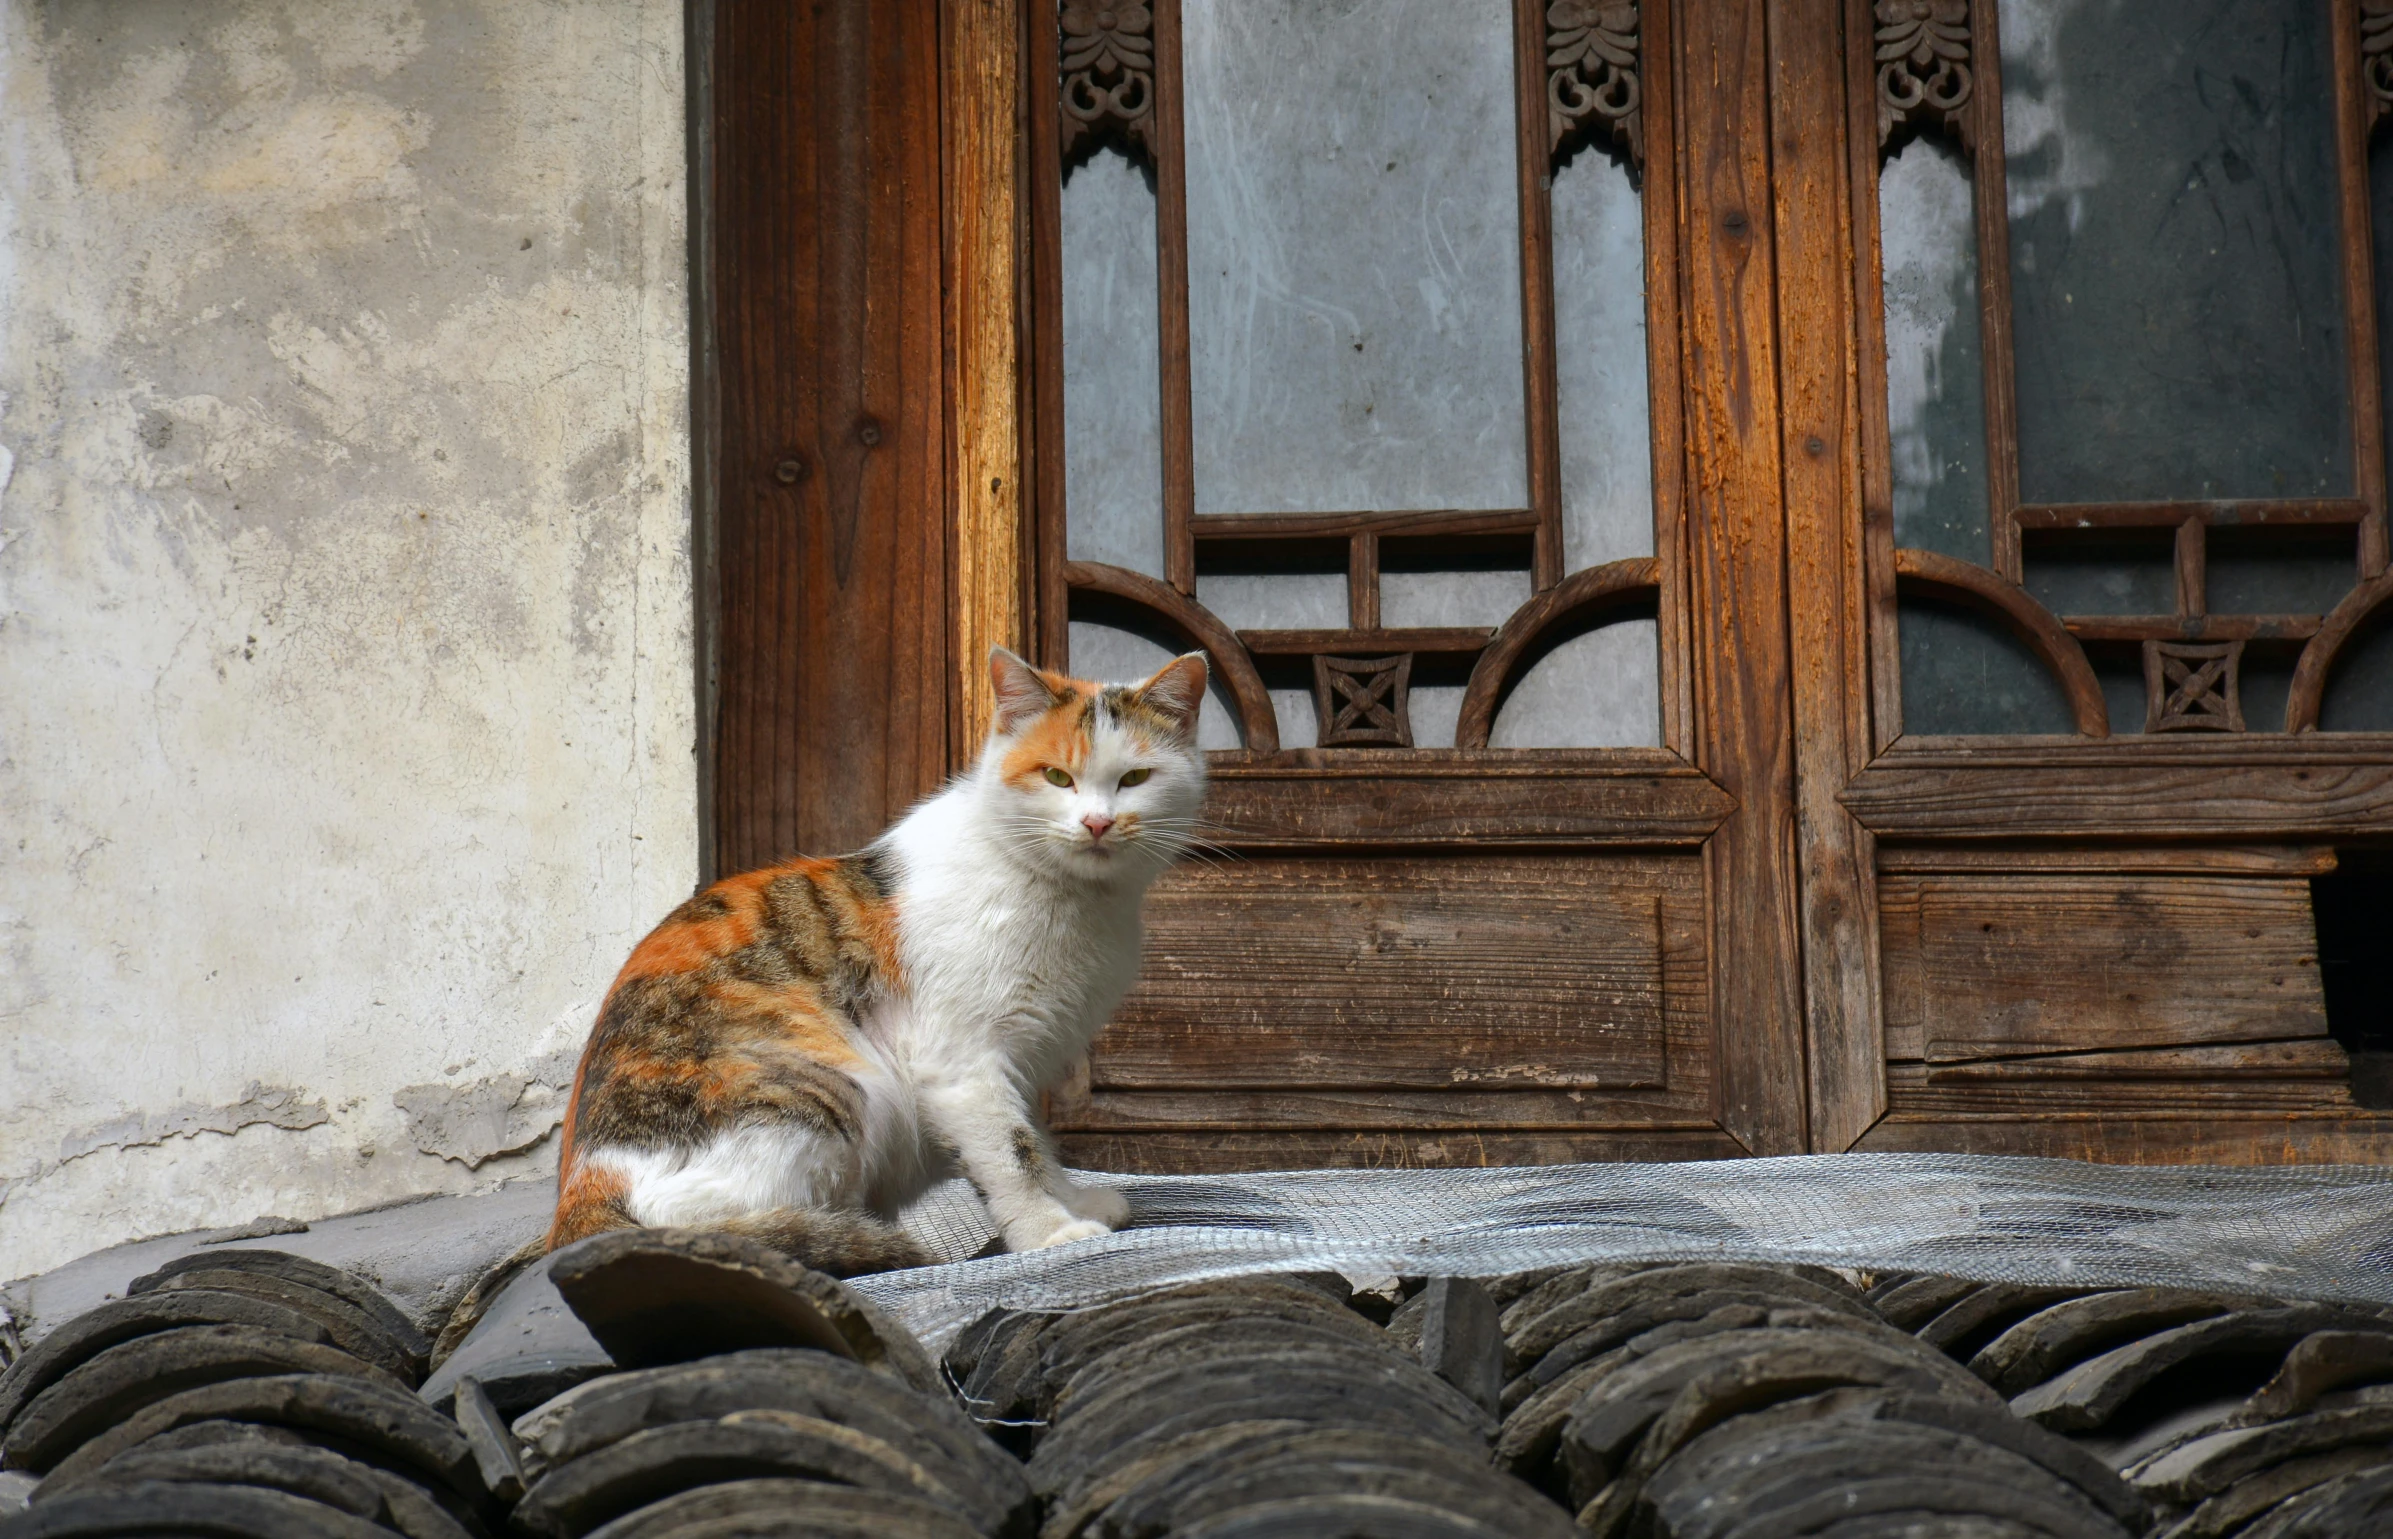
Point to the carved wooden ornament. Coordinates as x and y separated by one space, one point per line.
1107 55
1364 700
1591 82
1924 80
2193 687
2376 57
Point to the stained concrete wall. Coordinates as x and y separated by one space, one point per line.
345 671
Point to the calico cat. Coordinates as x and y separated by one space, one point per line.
798 1052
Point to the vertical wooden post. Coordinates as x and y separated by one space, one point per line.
1819 377
981 66
1736 568
831 529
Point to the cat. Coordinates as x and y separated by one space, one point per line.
798 1052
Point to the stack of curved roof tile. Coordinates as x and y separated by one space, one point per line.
673 1384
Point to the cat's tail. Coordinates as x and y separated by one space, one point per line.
842 1244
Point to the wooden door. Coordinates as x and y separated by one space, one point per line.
1415 362
1673 697
2120 440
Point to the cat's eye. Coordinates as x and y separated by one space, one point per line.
1137 777
1056 777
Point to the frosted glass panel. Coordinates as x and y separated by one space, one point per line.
1300 724
1113 445
1599 328
1354 255
1600 690
1434 709
1963 673
2174 249
1935 392
1113 656
1451 598
1292 601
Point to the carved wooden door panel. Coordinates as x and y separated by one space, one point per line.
1415 360
2119 775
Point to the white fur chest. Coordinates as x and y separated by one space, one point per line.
1002 962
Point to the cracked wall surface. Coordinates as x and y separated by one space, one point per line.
345 664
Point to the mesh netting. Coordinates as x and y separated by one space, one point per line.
2296 1232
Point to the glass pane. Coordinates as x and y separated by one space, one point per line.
2173 249
2265 680
2128 572
1280 601
1935 392
1113 414
1963 673
1113 656
1451 598
1434 710
2380 208
1599 690
2280 571
1603 413
1353 255
2359 695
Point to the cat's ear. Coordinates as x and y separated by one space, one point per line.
1178 691
1022 693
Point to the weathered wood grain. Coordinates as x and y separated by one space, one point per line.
1735 559
2187 1137
1453 972
2020 963
1397 798
985 222
1277 1149
1821 427
2011 792
831 538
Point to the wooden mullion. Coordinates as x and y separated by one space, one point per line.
981 170
1171 296
1737 579
1366 640
2195 627
1885 682
1045 175
2193 569
1402 522
1362 581
2320 512
1990 189
1666 403
2359 287
1827 587
1541 382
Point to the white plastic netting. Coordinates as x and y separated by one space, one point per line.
2297 1232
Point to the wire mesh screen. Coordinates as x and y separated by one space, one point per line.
2296 1232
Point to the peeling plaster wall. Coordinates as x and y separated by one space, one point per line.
345 663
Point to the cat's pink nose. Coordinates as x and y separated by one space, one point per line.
1096 823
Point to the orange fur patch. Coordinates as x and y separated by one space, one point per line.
1059 738
686 945
588 1202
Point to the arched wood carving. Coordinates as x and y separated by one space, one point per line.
1106 52
1591 85
1196 625
1924 79
1616 584
2318 659
2376 57
1961 582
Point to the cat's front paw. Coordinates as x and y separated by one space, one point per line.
1099 1204
1029 1237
